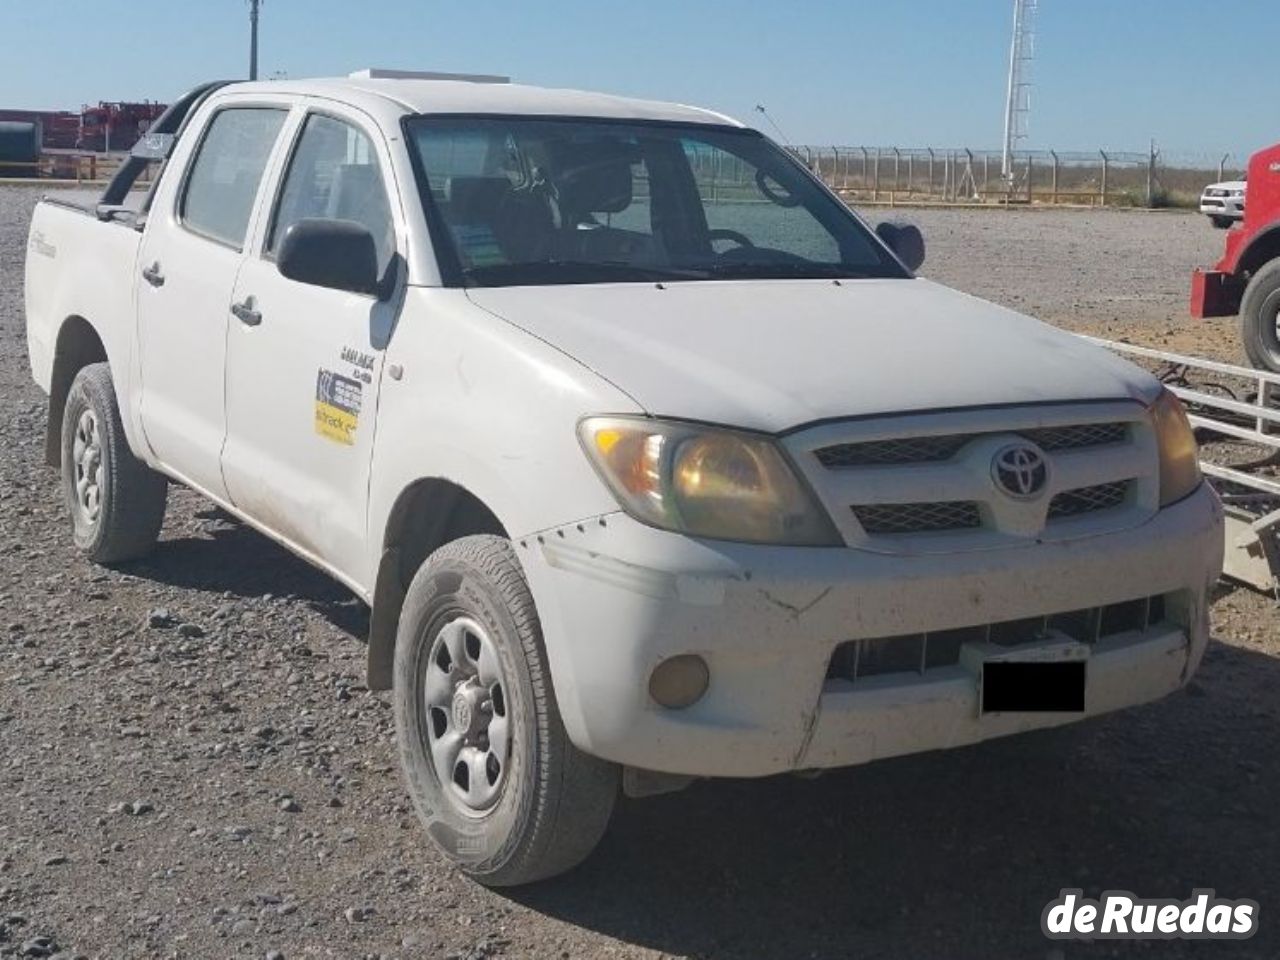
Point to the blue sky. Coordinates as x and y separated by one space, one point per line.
1108 73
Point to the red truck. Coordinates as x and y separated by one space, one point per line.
116 125
1246 281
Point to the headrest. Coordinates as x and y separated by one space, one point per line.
355 186
593 176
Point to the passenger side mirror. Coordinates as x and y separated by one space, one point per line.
905 240
338 254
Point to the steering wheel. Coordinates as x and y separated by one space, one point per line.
733 236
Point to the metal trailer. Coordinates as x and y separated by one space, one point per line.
1236 414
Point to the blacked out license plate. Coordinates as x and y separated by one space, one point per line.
1012 686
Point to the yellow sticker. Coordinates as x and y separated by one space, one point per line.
338 400
336 424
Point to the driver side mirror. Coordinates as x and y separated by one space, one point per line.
337 254
905 240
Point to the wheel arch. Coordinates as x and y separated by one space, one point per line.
78 344
1261 250
427 514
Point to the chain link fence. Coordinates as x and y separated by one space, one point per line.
965 176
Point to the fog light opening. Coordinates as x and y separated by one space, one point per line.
679 682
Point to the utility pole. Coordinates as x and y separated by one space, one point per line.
253 38
1018 101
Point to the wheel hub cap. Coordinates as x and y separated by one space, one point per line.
468 717
86 456
468 731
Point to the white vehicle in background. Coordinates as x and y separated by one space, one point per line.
652 459
1223 203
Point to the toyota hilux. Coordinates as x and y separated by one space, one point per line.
651 458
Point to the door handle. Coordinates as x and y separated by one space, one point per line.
153 275
245 312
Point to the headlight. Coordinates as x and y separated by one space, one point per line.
1179 458
705 482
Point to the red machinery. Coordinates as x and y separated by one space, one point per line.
115 125
1246 281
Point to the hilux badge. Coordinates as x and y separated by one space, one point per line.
1020 470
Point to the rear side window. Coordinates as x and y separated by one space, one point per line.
334 175
226 172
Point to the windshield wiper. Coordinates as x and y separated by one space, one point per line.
574 271
763 270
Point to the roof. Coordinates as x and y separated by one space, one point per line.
454 96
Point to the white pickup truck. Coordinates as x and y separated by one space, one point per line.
652 460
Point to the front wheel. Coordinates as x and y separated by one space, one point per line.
1222 223
502 791
116 501
1259 316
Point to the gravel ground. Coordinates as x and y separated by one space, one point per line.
1120 275
190 766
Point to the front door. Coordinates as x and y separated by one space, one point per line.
191 254
304 363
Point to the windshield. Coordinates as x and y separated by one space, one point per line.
526 201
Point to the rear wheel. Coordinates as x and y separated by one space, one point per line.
116 502
502 791
1259 315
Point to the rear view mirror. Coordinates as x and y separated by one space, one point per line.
338 254
905 240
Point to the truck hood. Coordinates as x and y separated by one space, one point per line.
773 355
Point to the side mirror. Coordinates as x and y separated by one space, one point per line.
905 240
338 254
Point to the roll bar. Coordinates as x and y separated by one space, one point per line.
155 145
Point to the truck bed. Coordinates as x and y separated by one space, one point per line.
79 265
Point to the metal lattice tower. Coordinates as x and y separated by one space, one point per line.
1018 105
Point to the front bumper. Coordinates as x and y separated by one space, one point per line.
1232 207
616 598
1215 294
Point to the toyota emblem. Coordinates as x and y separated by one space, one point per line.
1020 470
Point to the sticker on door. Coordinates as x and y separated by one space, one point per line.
337 407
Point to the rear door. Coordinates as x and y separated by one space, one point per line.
192 250
304 363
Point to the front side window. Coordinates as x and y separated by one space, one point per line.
226 172
334 175
517 201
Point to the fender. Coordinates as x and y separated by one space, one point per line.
478 406
1248 252
99 300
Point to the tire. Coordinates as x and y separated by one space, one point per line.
1222 223
116 502
508 807
1259 310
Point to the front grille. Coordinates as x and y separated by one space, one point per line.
920 652
1077 436
1072 503
889 518
934 449
882 519
897 451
